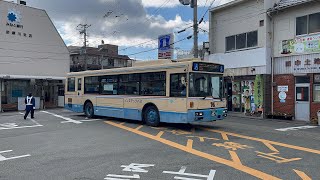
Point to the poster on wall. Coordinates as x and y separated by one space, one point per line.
235 102
236 88
247 92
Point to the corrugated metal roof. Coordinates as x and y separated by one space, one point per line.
227 5
283 4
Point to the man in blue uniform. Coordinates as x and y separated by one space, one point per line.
30 105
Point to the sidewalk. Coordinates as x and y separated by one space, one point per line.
242 115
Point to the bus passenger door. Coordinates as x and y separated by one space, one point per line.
79 87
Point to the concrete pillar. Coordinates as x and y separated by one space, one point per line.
1 95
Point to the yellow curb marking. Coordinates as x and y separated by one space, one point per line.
248 170
302 175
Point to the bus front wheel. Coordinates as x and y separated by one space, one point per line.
88 110
151 116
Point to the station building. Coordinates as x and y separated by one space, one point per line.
33 58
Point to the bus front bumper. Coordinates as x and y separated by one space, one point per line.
207 115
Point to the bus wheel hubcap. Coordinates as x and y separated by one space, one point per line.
152 115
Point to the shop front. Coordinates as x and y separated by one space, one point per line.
297 86
246 94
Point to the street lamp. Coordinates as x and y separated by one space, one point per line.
185 2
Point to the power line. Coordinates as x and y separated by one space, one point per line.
155 12
202 18
155 39
158 48
139 44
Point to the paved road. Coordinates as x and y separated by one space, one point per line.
59 144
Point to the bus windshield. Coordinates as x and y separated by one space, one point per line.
205 85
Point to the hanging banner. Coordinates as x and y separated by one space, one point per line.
258 92
300 45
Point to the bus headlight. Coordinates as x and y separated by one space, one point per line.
213 113
199 113
225 113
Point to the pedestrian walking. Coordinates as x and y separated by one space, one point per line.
30 106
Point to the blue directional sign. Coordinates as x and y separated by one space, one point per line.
165 46
164 42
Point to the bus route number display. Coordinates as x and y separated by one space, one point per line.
201 66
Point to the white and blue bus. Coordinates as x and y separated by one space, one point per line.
154 91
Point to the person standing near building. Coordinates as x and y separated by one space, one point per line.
30 106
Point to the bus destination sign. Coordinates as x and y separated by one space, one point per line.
209 67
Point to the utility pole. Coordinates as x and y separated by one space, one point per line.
193 4
195 28
83 30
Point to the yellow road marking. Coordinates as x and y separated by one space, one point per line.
139 127
122 123
235 157
202 138
273 157
159 134
248 170
266 141
302 175
190 143
270 147
224 136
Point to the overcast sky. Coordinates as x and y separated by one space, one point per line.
133 25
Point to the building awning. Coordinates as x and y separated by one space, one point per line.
6 76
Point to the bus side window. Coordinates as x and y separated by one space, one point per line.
153 84
178 85
129 84
91 85
109 85
71 84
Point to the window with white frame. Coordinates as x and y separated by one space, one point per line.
242 41
308 24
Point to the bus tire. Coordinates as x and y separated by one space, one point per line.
88 110
151 116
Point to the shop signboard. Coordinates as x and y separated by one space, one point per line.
300 45
165 46
305 63
283 88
